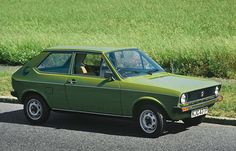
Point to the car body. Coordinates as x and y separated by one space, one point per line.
122 82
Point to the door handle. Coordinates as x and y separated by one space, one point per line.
72 81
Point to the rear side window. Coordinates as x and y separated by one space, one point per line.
56 63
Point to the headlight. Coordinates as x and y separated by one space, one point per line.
217 91
183 99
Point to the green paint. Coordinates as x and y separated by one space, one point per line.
104 96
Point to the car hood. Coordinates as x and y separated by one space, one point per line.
173 82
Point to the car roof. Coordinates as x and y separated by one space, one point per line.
85 49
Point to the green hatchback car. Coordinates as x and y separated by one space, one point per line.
122 82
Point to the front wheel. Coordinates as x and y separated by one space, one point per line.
151 121
194 121
35 109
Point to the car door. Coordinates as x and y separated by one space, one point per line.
86 88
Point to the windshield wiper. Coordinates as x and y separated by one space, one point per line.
152 71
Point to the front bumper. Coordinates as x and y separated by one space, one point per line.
200 103
184 111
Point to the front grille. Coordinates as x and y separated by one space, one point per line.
200 94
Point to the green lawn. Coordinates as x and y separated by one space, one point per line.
226 108
5 84
5 79
184 36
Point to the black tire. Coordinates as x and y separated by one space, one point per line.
194 121
145 115
35 109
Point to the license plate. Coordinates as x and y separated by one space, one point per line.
199 112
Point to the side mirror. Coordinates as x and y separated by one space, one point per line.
109 76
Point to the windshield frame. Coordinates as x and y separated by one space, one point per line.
142 54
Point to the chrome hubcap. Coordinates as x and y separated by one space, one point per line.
148 121
34 109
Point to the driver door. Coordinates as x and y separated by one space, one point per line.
87 90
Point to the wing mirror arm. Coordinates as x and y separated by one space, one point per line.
109 76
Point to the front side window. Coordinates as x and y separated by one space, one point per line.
56 63
90 64
132 63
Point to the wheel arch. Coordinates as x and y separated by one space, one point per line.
30 92
148 101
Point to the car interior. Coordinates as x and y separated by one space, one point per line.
90 64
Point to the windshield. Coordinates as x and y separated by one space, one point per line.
133 62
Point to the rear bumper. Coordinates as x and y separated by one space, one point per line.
183 112
14 93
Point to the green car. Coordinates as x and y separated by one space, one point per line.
121 82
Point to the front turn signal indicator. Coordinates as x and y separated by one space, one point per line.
185 109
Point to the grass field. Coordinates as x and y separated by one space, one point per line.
5 85
5 79
227 107
195 37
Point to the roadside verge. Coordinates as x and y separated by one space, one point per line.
208 119
220 120
8 99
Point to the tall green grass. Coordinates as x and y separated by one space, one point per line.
227 107
195 37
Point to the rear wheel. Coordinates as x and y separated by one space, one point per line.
194 121
35 109
151 121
